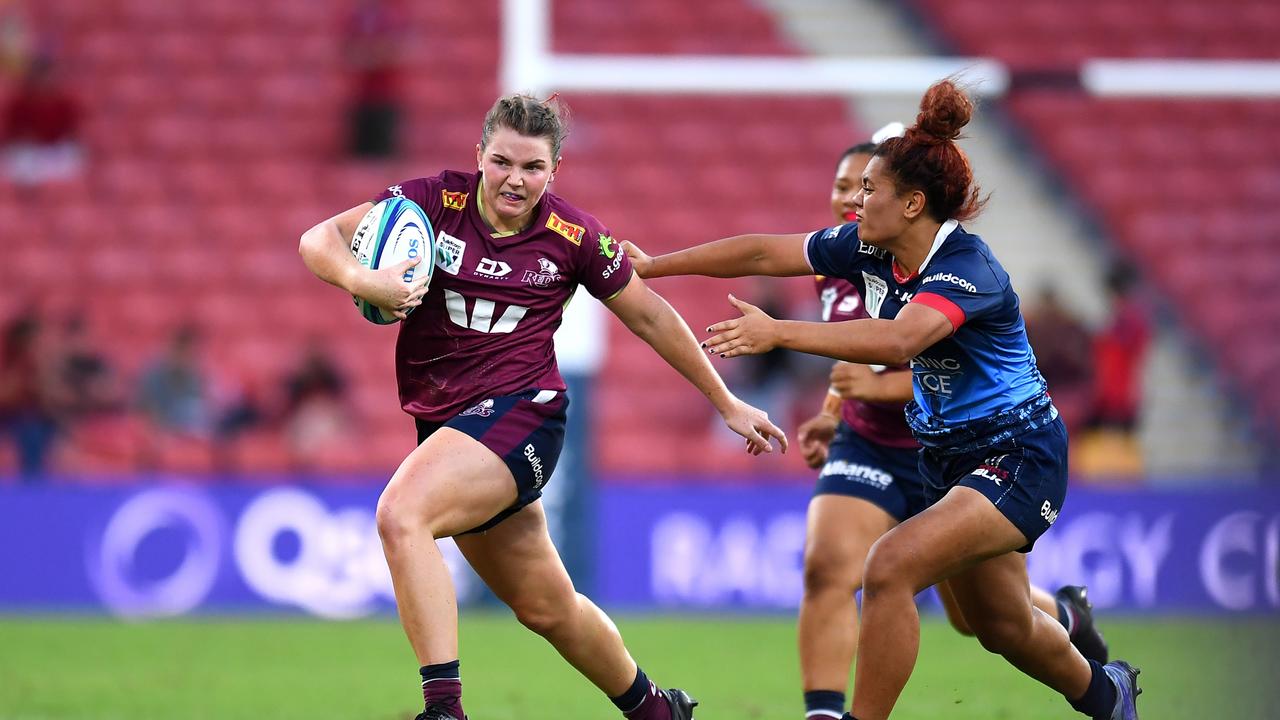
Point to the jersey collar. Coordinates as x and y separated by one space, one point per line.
944 232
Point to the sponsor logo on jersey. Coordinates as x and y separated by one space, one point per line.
449 252
572 233
609 250
951 278
831 232
872 250
858 472
546 274
484 408
1048 513
396 190
877 291
535 463
492 268
936 375
454 200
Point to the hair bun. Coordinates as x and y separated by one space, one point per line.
944 111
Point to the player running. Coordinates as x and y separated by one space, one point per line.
476 369
868 483
994 459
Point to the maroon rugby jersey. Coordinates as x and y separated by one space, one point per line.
883 423
486 324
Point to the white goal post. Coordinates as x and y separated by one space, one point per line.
529 64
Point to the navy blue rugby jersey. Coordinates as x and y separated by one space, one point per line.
978 385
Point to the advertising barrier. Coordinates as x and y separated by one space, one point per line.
165 549
693 546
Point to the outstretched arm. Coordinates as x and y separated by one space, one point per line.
325 250
770 255
882 342
653 320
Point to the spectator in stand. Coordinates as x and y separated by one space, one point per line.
315 410
1119 357
1063 353
86 383
174 392
41 129
374 57
25 397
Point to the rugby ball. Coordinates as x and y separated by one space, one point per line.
395 230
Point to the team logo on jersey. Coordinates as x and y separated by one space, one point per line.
572 233
484 408
492 268
454 200
449 252
877 291
546 274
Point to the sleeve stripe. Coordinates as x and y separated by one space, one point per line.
953 312
807 239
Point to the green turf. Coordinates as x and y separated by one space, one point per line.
52 669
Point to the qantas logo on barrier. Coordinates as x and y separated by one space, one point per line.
572 233
454 200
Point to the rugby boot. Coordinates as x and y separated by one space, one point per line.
1084 634
1125 677
680 703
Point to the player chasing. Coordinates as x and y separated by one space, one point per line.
868 483
994 457
476 369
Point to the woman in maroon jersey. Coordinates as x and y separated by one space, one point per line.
476 369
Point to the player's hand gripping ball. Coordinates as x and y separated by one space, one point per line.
395 231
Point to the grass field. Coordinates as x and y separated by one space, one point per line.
52 669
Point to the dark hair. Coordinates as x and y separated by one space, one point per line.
530 117
865 148
927 158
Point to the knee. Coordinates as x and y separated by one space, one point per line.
826 574
545 615
1001 635
398 522
887 570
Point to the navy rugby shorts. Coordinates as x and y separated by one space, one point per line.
1024 476
526 430
887 477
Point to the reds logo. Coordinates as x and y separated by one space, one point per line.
454 200
482 409
572 233
547 273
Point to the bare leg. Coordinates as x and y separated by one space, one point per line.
960 532
841 531
518 562
448 484
1039 597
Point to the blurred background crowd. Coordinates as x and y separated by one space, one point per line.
160 160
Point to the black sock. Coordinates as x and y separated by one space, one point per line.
823 703
1100 699
631 699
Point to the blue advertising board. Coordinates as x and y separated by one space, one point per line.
690 546
160 549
